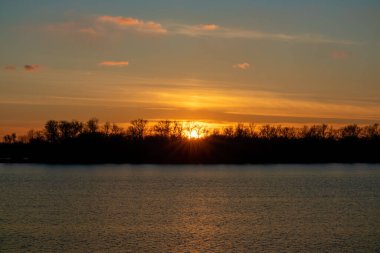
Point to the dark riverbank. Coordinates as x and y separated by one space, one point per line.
211 150
172 142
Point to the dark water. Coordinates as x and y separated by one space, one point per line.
126 208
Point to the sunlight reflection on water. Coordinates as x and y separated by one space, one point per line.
146 208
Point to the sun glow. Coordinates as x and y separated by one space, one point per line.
194 134
196 129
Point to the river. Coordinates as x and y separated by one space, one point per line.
198 208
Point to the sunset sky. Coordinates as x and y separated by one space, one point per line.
271 61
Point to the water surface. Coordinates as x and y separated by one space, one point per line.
128 208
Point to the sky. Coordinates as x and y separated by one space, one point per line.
268 61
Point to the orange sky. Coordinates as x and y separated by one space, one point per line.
240 61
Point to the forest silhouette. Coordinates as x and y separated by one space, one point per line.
174 142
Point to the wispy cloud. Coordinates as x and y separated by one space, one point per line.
114 63
195 30
207 27
9 68
338 55
206 99
237 33
101 25
31 68
264 103
74 27
89 31
242 66
134 24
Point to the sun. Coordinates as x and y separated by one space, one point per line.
194 135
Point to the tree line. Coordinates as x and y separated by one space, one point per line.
191 142
57 131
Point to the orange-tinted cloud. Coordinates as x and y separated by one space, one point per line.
89 31
73 28
134 23
242 66
121 20
31 68
207 27
340 55
211 30
10 68
114 63
98 27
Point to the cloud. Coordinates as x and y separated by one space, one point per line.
242 66
134 24
196 30
31 68
100 26
89 31
73 27
207 27
9 68
114 63
121 20
215 31
338 55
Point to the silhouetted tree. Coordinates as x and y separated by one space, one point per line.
92 125
272 143
371 132
23 139
350 132
10 138
228 131
116 130
35 136
138 129
176 131
201 130
52 131
316 132
215 132
77 128
197 128
288 133
268 132
69 130
65 129
107 128
163 128
240 131
251 129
